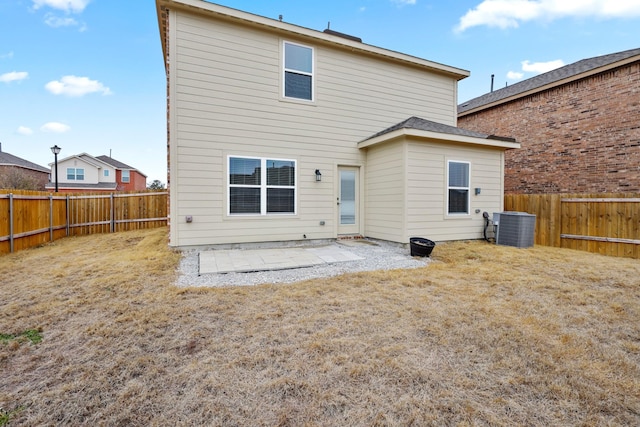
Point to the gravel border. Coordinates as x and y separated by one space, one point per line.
378 255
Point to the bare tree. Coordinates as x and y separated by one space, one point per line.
18 179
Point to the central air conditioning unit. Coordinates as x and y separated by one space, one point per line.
514 229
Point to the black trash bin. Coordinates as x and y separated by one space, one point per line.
421 246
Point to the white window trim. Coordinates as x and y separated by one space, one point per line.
263 187
468 188
312 74
75 174
122 178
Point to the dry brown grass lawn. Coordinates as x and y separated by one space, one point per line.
485 335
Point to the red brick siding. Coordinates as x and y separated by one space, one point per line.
137 181
582 137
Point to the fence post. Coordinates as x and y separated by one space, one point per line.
66 213
51 217
11 222
112 213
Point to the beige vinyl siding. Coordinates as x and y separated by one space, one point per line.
385 212
91 172
226 100
427 187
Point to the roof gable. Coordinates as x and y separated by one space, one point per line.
575 71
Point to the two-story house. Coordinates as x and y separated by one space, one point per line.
282 133
85 173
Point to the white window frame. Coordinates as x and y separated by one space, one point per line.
291 70
128 177
106 173
263 186
467 188
75 174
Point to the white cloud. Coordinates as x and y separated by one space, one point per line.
68 6
510 13
13 76
404 2
56 21
7 55
514 75
55 127
76 86
23 130
541 67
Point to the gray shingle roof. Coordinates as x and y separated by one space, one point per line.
550 77
430 126
115 163
11 160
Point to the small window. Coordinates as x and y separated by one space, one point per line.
125 176
298 71
106 172
75 174
261 186
458 188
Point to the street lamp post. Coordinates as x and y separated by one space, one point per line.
56 150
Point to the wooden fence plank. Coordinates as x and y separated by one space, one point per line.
608 224
40 217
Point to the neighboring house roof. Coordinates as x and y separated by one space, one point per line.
7 159
98 186
416 126
99 161
331 37
557 77
117 164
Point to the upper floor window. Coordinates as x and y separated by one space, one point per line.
262 186
458 187
106 172
298 71
75 174
125 176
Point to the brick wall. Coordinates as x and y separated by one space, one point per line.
137 181
22 178
580 137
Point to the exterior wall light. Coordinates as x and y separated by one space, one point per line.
318 175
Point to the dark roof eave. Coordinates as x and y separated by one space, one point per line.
422 128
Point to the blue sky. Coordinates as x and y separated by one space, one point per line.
88 75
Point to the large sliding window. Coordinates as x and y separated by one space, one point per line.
458 188
261 186
298 71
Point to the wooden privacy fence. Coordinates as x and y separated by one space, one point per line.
608 224
31 218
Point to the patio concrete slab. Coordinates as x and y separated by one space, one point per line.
250 260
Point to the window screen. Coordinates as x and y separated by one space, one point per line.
298 71
458 187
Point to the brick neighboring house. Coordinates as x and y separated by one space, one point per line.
13 168
127 177
85 173
579 127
